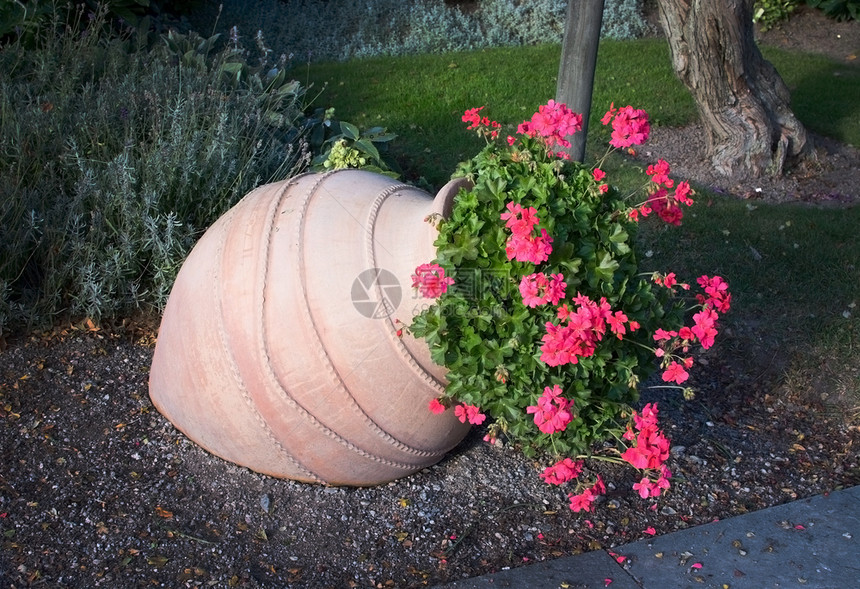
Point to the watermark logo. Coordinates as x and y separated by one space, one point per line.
376 293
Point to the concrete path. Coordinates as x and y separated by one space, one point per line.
811 544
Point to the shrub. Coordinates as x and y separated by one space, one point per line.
838 9
622 19
769 13
340 30
514 22
117 156
19 20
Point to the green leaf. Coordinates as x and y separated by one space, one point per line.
607 265
464 246
366 147
290 88
379 135
496 186
232 68
349 130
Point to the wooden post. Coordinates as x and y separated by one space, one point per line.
578 61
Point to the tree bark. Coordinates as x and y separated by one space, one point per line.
743 103
578 61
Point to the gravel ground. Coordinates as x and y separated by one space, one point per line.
98 489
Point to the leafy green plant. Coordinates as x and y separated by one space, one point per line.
130 11
540 311
769 13
21 19
838 9
347 147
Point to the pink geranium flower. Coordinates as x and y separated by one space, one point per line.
629 126
553 123
683 192
583 330
644 488
529 248
661 334
562 471
536 289
485 126
675 373
430 280
583 501
717 291
551 413
659 173
470 413
436 406
668 211
704 328
518 219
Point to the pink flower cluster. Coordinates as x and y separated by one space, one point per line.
484 126
553 123
717 291
538 289
716 298
430 280
583 501
581 330
551 413
649 451
583 322
562 471
659 200
470 413
523 245
629 126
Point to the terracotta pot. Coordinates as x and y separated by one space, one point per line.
278 349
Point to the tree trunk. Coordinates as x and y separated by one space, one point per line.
578 61
743 102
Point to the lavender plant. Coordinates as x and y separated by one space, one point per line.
118 155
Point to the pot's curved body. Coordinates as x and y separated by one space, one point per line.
278 349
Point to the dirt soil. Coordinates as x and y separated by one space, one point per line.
98 489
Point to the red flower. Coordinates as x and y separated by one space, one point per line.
436 406
675 373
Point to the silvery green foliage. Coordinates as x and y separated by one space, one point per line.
521 22
313 30
424 26
622 19
116 158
